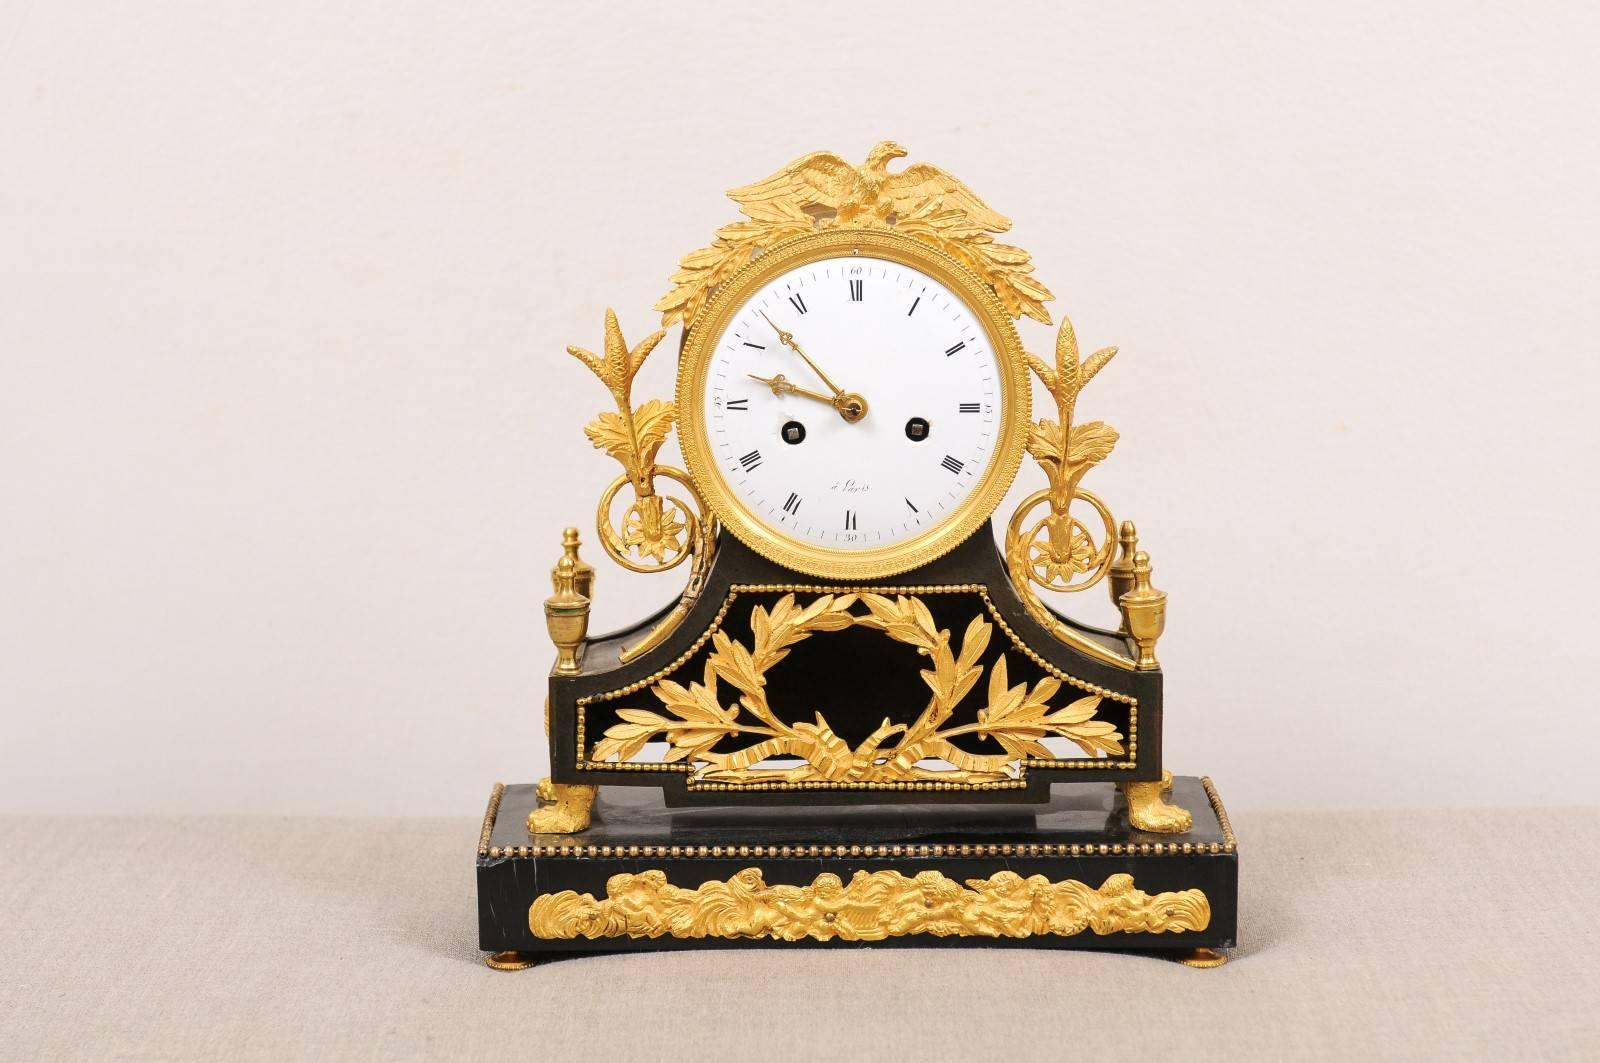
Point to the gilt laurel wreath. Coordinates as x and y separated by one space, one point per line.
695 719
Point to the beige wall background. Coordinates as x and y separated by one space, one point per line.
287 433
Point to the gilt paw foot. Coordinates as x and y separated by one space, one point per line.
564 808
1149 810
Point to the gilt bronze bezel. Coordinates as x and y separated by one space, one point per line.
833 562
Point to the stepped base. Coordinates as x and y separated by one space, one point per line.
1070 873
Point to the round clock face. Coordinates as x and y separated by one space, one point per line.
851 404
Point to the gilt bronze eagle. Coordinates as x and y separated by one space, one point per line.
823 190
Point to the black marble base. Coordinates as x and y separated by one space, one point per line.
1081 834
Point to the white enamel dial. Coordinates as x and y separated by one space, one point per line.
915 354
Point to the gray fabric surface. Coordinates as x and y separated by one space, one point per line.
1377 935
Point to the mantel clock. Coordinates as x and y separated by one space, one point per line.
862 721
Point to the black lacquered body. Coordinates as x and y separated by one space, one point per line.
1079 833
858 677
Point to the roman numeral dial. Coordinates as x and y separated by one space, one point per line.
935 375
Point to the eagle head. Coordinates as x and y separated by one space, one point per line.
879 158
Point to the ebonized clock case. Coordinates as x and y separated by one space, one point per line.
662 866
858 678
913 748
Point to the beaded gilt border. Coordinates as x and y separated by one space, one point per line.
1228 846
490 814
1125 763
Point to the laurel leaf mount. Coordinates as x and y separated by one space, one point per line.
1066 451
822 190
654 532
632 436
694 721
1059 551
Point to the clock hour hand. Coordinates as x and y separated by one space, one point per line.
781 385
851 407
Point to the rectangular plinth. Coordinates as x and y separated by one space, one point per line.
1070 873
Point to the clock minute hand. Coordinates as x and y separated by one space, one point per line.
787 339
851 406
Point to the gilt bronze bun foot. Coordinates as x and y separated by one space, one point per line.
1202 958
510 960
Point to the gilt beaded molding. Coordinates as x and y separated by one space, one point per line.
810 850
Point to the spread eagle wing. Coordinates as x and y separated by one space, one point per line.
920 183
776 208
821 179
